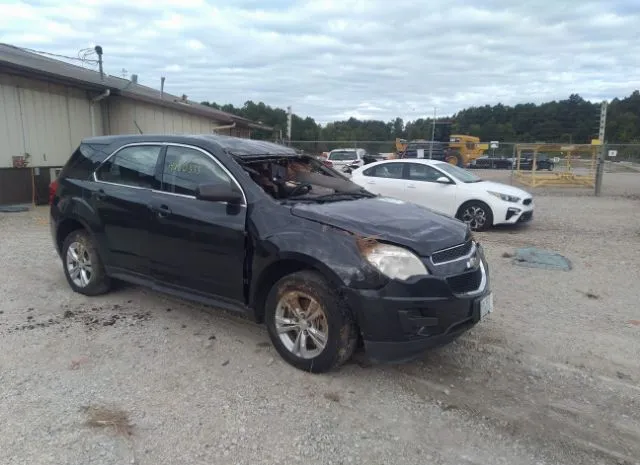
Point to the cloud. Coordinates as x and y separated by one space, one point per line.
338 58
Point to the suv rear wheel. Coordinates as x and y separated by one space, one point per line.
82 265
310 327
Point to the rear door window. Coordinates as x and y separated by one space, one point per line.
420 172
186 168
133 166
386 170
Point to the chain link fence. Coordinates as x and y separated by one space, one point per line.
557 165
323 146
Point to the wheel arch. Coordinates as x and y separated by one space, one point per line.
66 227
285 265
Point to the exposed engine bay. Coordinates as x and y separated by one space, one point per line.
298 178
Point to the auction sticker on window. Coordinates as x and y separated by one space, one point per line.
486 305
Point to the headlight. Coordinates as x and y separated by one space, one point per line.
394 262
505 197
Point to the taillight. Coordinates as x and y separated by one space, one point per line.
53 188
328 163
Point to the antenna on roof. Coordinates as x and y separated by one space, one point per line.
98 50
162 87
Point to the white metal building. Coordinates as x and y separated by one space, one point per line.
47 106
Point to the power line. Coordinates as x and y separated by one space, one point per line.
82 59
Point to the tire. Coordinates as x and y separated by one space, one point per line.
335 323
79 249
469 211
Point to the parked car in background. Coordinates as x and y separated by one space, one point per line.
339 158
253 227
487 162
447 189
543 162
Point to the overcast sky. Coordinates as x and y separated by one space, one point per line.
334 59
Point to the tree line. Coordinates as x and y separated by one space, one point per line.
574 120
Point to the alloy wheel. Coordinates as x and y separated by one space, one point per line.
301 324
79 264
475 217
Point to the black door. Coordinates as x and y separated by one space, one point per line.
198 245
120 197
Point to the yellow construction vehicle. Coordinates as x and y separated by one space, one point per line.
460 151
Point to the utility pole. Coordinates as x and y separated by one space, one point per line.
433 133
289 125
98 50
603 148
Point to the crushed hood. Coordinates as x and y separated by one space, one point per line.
390 220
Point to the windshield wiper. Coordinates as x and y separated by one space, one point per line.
336 196
344 195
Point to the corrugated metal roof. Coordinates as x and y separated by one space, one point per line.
16 58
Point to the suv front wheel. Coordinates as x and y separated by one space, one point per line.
82 265
310 327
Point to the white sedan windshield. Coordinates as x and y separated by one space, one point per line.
458 173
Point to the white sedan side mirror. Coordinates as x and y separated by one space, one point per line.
443 180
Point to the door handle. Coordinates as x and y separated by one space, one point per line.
162 211
410 186
370 182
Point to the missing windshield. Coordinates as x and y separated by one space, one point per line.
301 179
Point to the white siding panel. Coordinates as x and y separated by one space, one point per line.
79 111
45 120
10 125
153 119
46 126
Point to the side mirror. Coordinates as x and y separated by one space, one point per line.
219 193
443 180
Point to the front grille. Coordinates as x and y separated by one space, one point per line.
465 282
526 202
452 253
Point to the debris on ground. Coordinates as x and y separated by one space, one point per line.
103 417
507 255
590 295
332 396
13 209
622 375
532 257
76 362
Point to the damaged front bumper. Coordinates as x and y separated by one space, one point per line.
402 320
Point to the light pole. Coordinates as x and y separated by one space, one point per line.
433 133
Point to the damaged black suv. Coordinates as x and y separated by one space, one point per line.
254 227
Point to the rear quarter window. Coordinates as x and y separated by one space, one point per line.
84 161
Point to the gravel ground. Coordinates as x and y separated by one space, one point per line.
552 377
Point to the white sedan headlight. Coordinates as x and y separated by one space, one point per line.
395 262
505 197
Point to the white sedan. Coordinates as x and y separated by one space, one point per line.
447 189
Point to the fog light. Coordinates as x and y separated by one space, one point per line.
512 211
